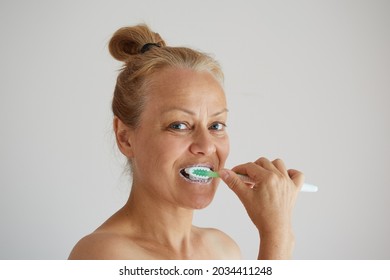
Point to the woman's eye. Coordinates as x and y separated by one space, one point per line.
178 126
218 126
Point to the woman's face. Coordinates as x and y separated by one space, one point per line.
182 125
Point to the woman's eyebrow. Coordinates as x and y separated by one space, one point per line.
189 112
225 110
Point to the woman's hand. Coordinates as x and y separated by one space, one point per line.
269 202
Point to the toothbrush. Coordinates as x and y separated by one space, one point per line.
205 173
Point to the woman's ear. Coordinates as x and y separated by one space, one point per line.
123 137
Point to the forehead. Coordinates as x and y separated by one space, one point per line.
184 87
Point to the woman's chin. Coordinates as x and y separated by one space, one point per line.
200 201
198 205
198 195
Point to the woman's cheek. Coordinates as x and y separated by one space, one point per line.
224 148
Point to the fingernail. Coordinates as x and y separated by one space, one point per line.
224 174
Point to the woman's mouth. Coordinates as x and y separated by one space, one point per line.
193 179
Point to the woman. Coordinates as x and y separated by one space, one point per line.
170 113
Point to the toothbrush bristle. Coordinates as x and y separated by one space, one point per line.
203 173
200 172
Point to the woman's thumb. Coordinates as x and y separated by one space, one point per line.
233 181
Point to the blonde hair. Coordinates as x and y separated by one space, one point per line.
140 64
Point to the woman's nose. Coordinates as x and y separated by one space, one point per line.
203 143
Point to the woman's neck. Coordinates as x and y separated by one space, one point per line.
153 218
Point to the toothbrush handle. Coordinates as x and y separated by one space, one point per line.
305 187
309 188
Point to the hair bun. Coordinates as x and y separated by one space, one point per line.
128 41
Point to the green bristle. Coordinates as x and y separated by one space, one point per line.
205 173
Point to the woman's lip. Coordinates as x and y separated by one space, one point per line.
208 165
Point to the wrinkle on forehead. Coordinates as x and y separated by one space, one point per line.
187 90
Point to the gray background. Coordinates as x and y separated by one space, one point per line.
307 81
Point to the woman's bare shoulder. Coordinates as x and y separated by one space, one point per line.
101 245
221 244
